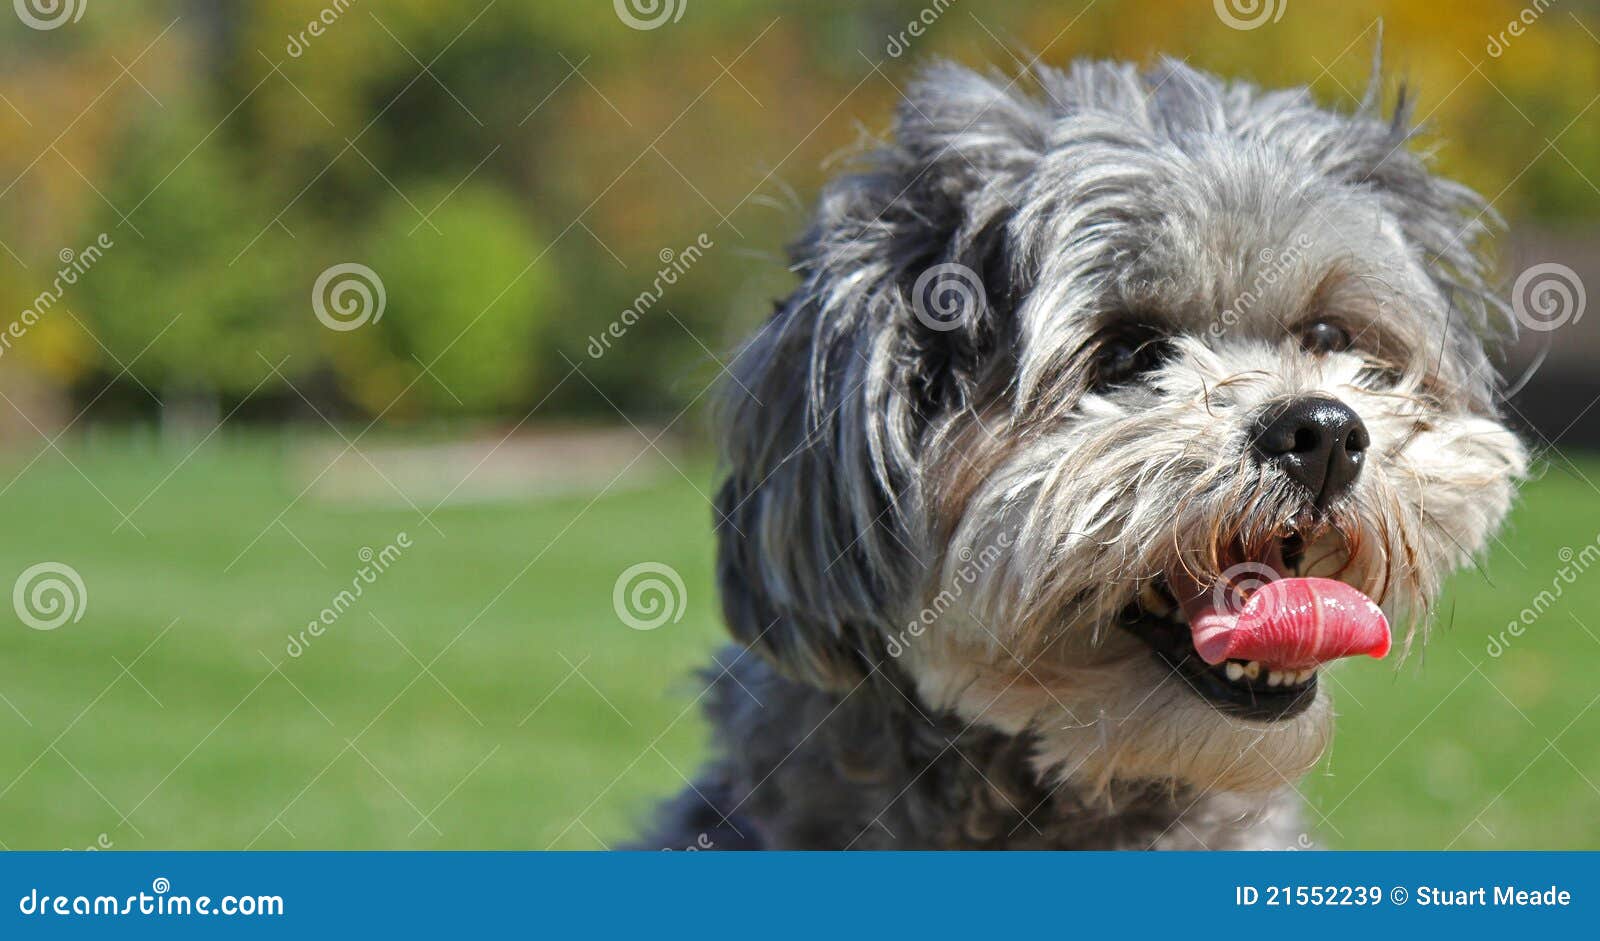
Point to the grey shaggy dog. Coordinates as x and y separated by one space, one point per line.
1023 401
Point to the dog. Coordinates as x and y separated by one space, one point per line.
1107 412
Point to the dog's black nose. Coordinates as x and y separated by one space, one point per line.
1316 440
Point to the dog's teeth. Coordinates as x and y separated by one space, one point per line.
1250 671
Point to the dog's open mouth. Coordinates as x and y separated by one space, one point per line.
1251 642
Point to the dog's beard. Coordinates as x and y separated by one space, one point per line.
1074 632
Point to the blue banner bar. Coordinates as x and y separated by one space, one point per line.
793 894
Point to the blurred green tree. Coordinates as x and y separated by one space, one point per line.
464 298
182 268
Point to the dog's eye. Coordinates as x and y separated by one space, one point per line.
1128 356
1325 337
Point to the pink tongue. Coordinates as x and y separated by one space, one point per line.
1292 623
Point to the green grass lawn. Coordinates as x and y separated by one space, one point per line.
511 708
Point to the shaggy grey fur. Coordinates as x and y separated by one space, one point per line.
936 516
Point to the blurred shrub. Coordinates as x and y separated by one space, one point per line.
464 298
190 268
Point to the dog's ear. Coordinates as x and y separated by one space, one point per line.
905 296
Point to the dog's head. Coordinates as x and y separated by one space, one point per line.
1072 373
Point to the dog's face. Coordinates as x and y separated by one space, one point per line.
1072 376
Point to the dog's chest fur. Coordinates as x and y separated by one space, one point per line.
875 769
